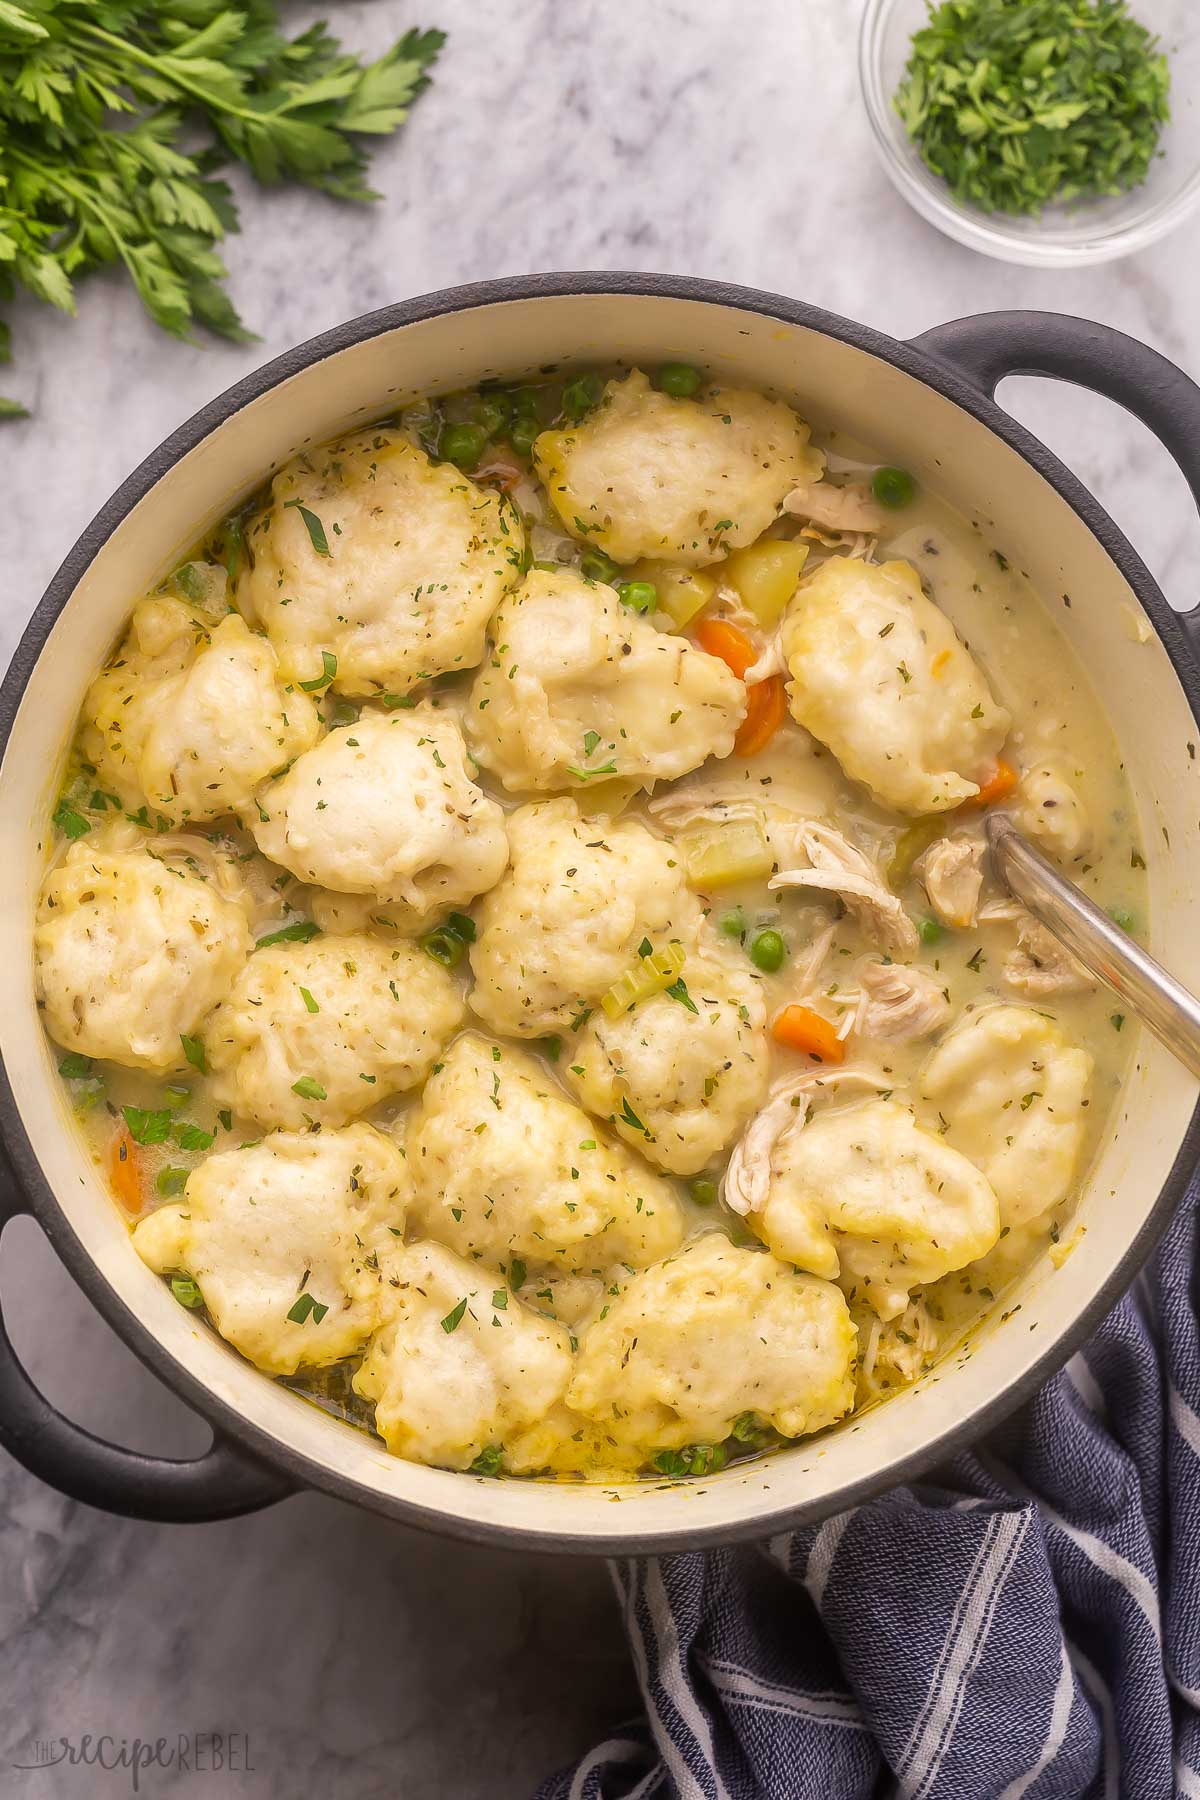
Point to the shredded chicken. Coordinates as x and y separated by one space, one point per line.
771 661
834 863
1001 912
808 972
748 1177
906 1344
702 806
849 508
899 1002
951 871
1041 966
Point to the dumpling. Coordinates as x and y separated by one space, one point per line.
1013 1092
324 1030
568 917
1050 810
578 686
132 954
387 807
460 1364
389 564
645 475
880 676
679 1074
191 717
504 1167
713 1333
867 1198
283 1239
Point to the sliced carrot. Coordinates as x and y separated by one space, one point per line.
799 1028
766 709
995 786
725 641
125 1172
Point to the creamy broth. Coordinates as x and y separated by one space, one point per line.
149 1131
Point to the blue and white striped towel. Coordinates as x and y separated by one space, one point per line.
1026 1623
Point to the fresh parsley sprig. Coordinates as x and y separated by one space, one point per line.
115 118
1019 103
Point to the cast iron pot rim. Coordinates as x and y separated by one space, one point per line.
34 1189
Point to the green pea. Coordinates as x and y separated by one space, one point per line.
445 946
893 488
462 445
580 395
639 596
493 411
595 566
768 952
524 402
1121 916
930 932
703 1190
680 380
522 433
735 924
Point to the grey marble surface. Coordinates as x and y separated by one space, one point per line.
690 136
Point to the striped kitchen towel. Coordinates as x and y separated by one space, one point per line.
1025 1623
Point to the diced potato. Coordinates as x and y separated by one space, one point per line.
682 593
766 576
718 856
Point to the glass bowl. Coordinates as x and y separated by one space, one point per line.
1061 237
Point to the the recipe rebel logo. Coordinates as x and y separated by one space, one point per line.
186 1753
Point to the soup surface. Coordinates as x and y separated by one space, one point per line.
518 938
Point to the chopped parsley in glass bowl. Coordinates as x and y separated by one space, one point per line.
1108 115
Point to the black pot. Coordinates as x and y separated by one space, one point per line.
926 404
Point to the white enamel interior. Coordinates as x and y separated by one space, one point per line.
907 423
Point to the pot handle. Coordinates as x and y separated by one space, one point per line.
222 1483
988 346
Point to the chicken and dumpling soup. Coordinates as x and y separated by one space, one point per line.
518 940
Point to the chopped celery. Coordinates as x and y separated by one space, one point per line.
717 856
651 974
912 843
766 575
681 592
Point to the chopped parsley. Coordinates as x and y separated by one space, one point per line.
1017 105
315 529
454 1317
307 1308
309 1088
298 933
328 671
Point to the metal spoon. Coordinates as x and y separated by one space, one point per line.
1158 1000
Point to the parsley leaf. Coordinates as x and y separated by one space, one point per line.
297 933
307 1308
148 1126
115 117
315 529
454 1317
328 671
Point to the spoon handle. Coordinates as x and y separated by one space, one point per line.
1157 999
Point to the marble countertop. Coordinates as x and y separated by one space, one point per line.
361 1659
